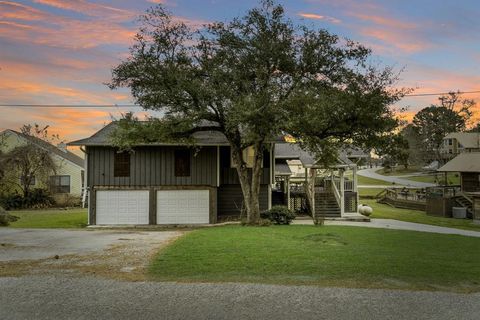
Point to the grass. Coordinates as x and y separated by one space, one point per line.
51 218
452 178
371 181
369 192
398 171
383 211
329 255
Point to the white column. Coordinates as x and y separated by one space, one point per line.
288 192
342 192
355 187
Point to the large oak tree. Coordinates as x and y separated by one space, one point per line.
254 78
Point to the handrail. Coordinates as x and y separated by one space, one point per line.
466 197
336 193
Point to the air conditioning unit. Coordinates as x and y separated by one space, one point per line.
459 212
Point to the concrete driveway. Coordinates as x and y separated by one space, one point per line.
113 253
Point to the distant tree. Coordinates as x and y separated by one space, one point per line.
433 123
416 154
253 79
28 163
396 152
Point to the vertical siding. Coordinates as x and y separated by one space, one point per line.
152 166
230 199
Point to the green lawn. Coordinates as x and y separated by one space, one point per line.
328 255
453 178
398 171
51 218
371 181
383 211
369 192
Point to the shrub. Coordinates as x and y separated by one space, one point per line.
6 218
38 198
279 215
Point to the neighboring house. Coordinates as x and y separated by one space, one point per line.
468 165
68 178
165 183
303 184
459 142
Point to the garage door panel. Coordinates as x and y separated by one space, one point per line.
122 207
183 207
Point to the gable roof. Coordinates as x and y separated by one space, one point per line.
202 138
67 155
291 151
467 139
282 168
464 162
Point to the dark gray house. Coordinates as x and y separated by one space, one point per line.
166 183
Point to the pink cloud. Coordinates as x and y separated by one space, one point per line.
88 8
319 17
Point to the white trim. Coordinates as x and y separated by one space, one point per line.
269 196
218 166
272 164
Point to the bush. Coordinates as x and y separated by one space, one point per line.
6 218
279 215
38 198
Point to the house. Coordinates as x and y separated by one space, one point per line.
440 200
309 186
68 179
165 183
459 142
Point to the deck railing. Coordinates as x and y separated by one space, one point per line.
406 194
443 191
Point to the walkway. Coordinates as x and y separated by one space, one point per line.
397 225
370 173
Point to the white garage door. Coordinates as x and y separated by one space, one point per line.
122 207
182 206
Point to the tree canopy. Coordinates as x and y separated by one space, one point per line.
433 123
255 78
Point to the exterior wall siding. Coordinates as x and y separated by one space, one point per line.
64 167
230 199
229 175
151 166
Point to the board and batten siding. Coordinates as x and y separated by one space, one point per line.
151 166
229 175
230 199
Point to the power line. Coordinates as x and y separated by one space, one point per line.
70 105
439 93
138 106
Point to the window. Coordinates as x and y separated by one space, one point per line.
450 142
121 164
182 163
60 184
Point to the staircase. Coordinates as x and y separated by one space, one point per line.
326 205
464 202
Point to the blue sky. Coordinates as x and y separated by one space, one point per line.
62 51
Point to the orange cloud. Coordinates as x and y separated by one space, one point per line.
88 8
319 17
58 31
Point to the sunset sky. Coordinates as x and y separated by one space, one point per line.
62 51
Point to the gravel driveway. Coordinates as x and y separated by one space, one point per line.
113 253
46 297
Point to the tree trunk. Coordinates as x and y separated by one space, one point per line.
250 182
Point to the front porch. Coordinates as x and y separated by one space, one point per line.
329 194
